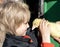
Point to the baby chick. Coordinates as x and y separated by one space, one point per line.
55 28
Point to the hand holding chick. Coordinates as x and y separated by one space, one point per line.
54 27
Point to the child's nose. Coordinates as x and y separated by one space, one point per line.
27 25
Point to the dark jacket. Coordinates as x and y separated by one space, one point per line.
20 41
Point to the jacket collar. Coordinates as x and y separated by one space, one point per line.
20 38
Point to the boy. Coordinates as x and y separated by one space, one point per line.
14 16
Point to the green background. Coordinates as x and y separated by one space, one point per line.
52 13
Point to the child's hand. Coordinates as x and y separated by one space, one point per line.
44 27
45 32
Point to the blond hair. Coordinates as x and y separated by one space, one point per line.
11 15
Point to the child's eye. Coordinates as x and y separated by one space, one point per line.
25 22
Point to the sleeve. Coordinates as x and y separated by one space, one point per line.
47 45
